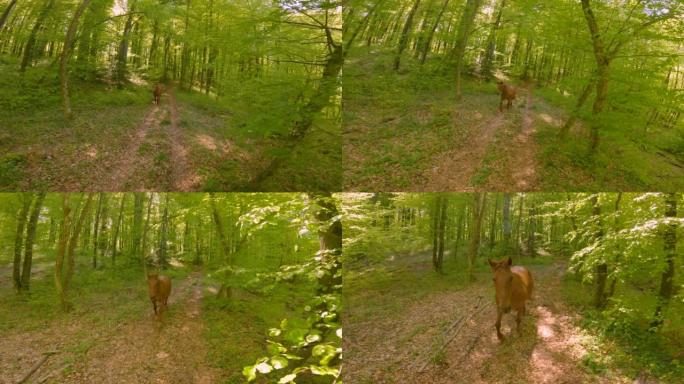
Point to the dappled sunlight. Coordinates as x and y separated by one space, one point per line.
559 347
545 323
206 141
548 119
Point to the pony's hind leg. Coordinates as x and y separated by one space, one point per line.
518 319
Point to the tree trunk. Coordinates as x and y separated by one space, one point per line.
532 234
163 234
670 250
6 12
146 228
325 91
61 251
602 71
30 236
489 51
73 240
31 42
117 228
464 30
578 106
431 34
64 60
435 232
602 268
479 203
122 57
330 242
492 226
19 238
518 227
96 228
403 40
613 282
442 225
506 220
138 203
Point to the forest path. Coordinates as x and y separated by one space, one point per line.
156 157
455 169
517 169
136 349
449 337
499 152
185 179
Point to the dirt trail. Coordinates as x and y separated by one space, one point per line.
139 168
499 150
454 170
518 167
134 350
123 170
405 348
185 178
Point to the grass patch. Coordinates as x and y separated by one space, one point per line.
415 116
102 297
622 336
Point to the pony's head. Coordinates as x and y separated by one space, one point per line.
503 283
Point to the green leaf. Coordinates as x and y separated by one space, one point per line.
249 372
264 367
324 371
287 379
279 362
312 338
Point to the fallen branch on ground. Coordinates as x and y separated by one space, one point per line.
471 345
42 361
460 323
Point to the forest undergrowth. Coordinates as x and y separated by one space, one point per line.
430 140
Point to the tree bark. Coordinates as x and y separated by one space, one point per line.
330 242
31 42
6 12
136 230
73 240
602 71
506 220
403 40
464 30
122 57
19 238
61 251
30 236
491 39
479 203
431 34
117 228
670 250
578 106
602 268
64 60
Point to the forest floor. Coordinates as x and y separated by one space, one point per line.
133 349
445 334
418 136
157 138
499 153
119 140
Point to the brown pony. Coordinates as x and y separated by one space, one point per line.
157 92
507 93
513 287
159 289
